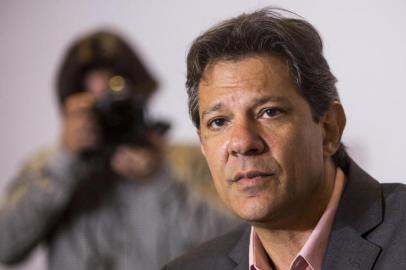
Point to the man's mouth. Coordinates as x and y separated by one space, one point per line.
251 176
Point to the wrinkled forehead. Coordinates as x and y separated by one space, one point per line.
226 68
256 71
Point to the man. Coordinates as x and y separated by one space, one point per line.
270 122
104 198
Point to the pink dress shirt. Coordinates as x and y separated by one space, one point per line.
310 257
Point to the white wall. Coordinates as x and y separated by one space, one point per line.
365 44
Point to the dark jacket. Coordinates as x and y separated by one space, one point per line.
369 232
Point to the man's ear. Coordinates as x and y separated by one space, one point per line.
201 144
333 123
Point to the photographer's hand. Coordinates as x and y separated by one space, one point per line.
79 125
135 162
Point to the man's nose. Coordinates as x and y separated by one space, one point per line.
245 139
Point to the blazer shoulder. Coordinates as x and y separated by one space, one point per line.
394 189
394 195
210 253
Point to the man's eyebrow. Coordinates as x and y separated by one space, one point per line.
266 99
217 106
258 102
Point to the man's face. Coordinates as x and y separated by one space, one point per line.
264 149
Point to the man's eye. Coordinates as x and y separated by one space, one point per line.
271 112
217 123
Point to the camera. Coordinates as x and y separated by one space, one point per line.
120 115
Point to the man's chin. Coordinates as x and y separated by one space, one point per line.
260 213
254 215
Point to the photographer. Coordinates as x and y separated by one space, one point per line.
104 198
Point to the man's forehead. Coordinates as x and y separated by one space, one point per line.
251 67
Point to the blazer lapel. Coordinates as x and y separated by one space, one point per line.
359 212
239 254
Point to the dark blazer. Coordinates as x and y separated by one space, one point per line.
369 232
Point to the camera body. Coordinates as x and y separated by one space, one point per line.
120 115
121 119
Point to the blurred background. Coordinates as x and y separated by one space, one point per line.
365 44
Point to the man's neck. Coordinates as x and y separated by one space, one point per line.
283 242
